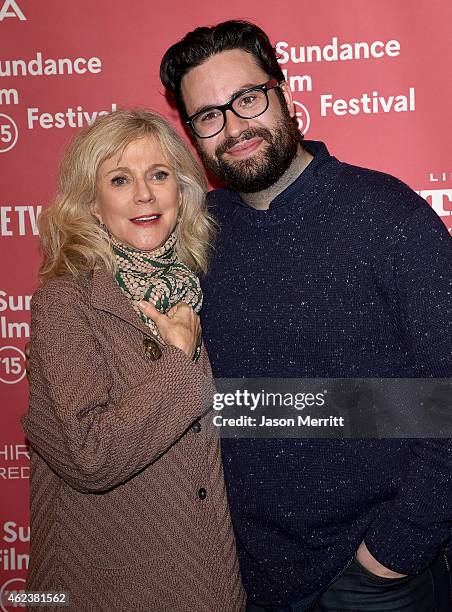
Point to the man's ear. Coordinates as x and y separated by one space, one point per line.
94 208
284 87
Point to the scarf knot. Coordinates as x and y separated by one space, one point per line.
155 276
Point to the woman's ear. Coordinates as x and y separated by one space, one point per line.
94 208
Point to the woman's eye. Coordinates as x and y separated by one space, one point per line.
161 175
119 180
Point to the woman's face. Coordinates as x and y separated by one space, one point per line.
137 197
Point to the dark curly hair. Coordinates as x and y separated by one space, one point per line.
203 42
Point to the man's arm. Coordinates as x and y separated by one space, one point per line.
410 529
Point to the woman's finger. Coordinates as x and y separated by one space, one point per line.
172 311
151 311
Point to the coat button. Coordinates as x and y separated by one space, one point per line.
202 493
151 349
196 427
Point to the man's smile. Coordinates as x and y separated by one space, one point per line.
244 148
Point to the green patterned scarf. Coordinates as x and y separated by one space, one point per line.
157 277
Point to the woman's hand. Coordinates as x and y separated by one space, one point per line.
180 327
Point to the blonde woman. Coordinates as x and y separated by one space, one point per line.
128 508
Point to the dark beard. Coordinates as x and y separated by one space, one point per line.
259 172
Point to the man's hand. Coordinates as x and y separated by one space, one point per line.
179 327
368 561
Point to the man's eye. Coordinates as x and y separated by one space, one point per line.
248 100
210 115
119 180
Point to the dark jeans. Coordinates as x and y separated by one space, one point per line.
358 590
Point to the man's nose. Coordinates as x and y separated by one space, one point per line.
234 125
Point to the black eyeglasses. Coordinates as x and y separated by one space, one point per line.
246 104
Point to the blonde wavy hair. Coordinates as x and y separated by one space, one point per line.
72 241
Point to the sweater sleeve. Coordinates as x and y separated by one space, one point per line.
410 529
90 441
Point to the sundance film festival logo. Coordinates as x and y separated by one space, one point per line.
302 116
368 102
12 365
9 132
14 306
13 560
13 585
40 66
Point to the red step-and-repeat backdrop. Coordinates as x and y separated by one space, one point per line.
370 78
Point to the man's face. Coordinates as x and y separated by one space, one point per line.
249 155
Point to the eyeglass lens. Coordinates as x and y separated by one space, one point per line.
250 104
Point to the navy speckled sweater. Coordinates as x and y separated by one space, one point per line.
348 274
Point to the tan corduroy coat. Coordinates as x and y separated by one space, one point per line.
128 507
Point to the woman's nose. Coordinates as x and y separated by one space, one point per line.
143 192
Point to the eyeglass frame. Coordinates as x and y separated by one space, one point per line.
265 88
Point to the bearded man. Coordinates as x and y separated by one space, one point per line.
321 269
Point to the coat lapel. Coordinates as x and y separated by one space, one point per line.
106 295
